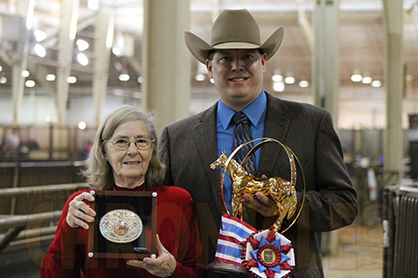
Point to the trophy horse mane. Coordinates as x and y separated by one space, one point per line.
280 190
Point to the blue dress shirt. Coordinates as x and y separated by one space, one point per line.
256 113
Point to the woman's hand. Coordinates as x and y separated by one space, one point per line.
162 266
79 213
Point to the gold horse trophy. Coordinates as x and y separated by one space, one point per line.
283 192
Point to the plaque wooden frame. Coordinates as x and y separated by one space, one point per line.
144 204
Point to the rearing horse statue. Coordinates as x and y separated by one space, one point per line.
281 191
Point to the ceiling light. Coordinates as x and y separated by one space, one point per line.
303 84
140 79
71 79
289 80
82 59
30 83
25 73
3 79
50 77
278 86
356 77
82 44
277 77
366 80
39 50
376 84
212 81
124 77
82 125
1 68
39 35
116 51
200 77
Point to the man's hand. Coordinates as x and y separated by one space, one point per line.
261 203
162 266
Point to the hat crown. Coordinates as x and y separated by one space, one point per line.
235 26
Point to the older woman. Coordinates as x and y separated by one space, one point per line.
125 157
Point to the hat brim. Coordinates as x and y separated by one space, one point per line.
200 49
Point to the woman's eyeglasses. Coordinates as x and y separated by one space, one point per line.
123 144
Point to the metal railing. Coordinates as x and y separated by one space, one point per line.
17 223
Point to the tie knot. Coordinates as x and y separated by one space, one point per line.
240 118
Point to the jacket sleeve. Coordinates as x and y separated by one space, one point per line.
64 257
330 201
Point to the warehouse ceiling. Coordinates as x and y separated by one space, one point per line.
361 41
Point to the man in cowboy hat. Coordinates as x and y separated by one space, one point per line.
236 60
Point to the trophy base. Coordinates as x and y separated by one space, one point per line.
224 268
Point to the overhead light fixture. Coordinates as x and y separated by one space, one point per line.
82 59
116 51
278 86
366 80
356 77
376 84
82 125
39 35
82 45
277 77
124 77
304 84
289 80
140 79
72 79
25 73
39 50
1 68
200 77
3 80
30 83
50 77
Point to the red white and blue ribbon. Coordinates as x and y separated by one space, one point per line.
268 254
233 233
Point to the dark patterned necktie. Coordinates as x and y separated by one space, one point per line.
242 134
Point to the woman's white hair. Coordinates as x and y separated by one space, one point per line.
98 171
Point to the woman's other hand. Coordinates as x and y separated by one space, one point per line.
162 266
79 213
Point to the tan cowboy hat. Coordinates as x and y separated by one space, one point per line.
233 29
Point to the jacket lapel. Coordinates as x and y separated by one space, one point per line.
206 145
276 127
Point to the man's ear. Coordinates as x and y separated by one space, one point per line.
209 68
264 61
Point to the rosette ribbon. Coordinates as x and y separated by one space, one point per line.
268 254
